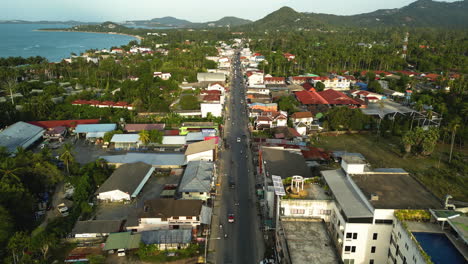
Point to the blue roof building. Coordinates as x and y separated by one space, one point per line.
95 130
158 160
20 134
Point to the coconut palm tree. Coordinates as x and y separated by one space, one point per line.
66 155
144 137
9 171
454 125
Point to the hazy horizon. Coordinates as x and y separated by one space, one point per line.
208 10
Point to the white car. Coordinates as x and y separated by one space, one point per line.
121 252
238 139
63 209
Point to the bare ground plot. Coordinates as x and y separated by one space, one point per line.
386 153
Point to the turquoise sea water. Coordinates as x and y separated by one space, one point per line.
22 40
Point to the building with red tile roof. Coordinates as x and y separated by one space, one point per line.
64 123
337 98
310 98
274 80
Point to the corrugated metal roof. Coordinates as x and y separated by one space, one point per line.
197 177
95 128
159 159
175 236
126 138
174 140
20 134
200 147
123 240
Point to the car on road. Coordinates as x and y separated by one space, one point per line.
230 218
238 139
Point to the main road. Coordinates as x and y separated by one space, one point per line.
244 242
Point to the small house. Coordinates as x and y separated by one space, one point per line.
125 183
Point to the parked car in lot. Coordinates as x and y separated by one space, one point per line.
121 252
63 209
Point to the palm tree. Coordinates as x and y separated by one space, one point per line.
144 137
453 126
8 171
66 155
11 86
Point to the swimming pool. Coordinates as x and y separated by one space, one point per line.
439 248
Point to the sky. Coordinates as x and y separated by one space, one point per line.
192 10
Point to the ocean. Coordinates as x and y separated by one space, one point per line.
22 40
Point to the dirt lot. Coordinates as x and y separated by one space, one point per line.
386 153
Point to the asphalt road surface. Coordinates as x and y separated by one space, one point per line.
244 243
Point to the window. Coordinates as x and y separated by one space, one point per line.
349 235
297 211
175 217
347 249
371 261
354 235
374 236
406 246
348 261
372 250
202 193
384 221
353 249
399 234
325 212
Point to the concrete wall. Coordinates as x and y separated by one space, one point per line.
407 248
306 208
352 168
195 196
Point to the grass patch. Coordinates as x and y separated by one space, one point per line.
434 171
151 254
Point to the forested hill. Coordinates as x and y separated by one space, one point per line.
422 13
180 23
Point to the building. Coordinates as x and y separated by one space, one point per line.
258 89
334 82
204 150
167 239
125 183
197 181
91 131
328 97
264 107
174 141
126 141
271 119
254 77
135 128
302 117
93 229
168 214
162 75
65 123
122 241
56 133
20 134
363 215
211 77
274 80
157 160
216 87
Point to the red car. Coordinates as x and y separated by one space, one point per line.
231 218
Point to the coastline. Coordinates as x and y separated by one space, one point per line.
111 33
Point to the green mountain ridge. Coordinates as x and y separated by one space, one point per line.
422 13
